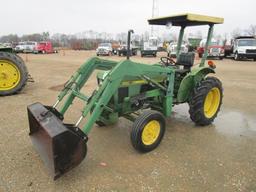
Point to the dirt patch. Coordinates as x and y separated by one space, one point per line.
219 157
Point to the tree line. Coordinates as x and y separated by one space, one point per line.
90 39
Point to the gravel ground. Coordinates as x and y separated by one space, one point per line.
219 157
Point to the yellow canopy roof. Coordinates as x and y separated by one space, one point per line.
187 19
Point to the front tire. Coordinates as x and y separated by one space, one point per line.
148 131
205 101
237 57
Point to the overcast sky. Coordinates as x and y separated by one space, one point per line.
114 16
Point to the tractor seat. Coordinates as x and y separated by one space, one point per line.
186 60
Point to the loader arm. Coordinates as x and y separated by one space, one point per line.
63 146
78 79
100 98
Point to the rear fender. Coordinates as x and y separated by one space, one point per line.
189 82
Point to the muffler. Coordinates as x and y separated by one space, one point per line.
61 146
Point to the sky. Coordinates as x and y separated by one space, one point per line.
114 16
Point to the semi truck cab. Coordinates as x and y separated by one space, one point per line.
244 48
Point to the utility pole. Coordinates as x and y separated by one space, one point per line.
155 13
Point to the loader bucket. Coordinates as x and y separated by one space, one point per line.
61 146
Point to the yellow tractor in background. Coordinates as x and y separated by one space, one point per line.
13 72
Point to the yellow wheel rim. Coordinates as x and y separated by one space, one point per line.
150 132
9 75
211 102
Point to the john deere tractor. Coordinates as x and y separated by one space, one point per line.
13 72
142 93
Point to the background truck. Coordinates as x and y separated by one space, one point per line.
122 51
228 47
193 43
215 50
20 47
172 49
25 47
244 47
44 47
115 46
29 46
104 49
149 47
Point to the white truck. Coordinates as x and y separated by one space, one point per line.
172 49
150 47
25 47
20 47
244 47
104 49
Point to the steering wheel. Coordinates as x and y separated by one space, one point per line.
167 61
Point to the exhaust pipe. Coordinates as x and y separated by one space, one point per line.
128 44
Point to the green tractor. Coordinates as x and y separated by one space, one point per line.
142 93
13 72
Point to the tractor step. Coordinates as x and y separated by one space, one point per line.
61 146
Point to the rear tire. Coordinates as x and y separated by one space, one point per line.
13 60
205 101
254 59
148 131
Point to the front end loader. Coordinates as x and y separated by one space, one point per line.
142 93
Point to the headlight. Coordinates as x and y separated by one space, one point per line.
241 50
